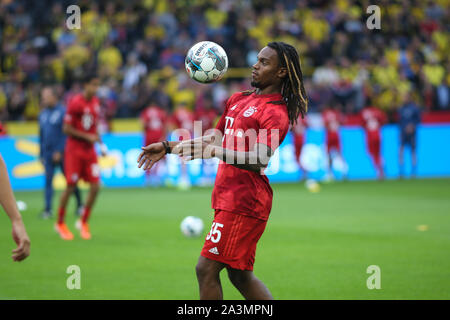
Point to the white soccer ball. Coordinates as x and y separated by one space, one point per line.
21 205
192 226
206 62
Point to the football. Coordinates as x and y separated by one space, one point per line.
192 226
206 62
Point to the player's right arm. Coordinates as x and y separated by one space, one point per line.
70 130
8 203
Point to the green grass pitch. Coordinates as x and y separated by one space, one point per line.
316 245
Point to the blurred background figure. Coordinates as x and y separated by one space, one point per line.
333 118
299 131
154 120
372 121
182 122
409 115
52 142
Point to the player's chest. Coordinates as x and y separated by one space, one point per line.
88 116
90 110
241 118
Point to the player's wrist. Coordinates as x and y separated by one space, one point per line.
166 146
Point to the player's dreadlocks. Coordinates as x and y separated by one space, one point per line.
292 89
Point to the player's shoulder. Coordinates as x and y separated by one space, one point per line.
273 113
76 97
237 96
75 101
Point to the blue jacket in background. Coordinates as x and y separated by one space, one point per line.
51 134
409 114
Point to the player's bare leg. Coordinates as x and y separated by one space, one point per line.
249 285
400 162
60 226
208 276
82 224
414 162
330 175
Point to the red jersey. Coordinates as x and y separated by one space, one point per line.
372 120
154 119
183 118
83 115
332 119
237 190
207 117
300 127
2 130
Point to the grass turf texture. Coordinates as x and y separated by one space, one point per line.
316 246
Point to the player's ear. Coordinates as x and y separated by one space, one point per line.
282 72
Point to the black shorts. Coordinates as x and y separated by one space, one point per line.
409 139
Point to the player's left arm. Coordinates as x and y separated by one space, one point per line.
273 129
103 147
255 160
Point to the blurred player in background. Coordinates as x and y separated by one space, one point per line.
183 119
153 119
3 131
8 202
299 130
372 119
52 141
333 118
410 117
80 125
242 196
207 116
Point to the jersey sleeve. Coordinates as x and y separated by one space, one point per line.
72 110
273 127
221 123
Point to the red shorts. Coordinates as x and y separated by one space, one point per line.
232 239
374 147
81 164
333 141
298 144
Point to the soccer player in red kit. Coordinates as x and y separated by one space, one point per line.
182 120
207 115
242 196
80 159
154 119
332 118
298 131
372 119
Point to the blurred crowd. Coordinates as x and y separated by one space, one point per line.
138 48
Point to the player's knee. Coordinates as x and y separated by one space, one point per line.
201 270
205 270
70 188
239 278
95 188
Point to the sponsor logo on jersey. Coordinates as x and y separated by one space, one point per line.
250 111
214 250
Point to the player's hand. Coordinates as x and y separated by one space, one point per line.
56 157
22 240
92 137
200 148
103 150
150 155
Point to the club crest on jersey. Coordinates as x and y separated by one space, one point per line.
250 111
